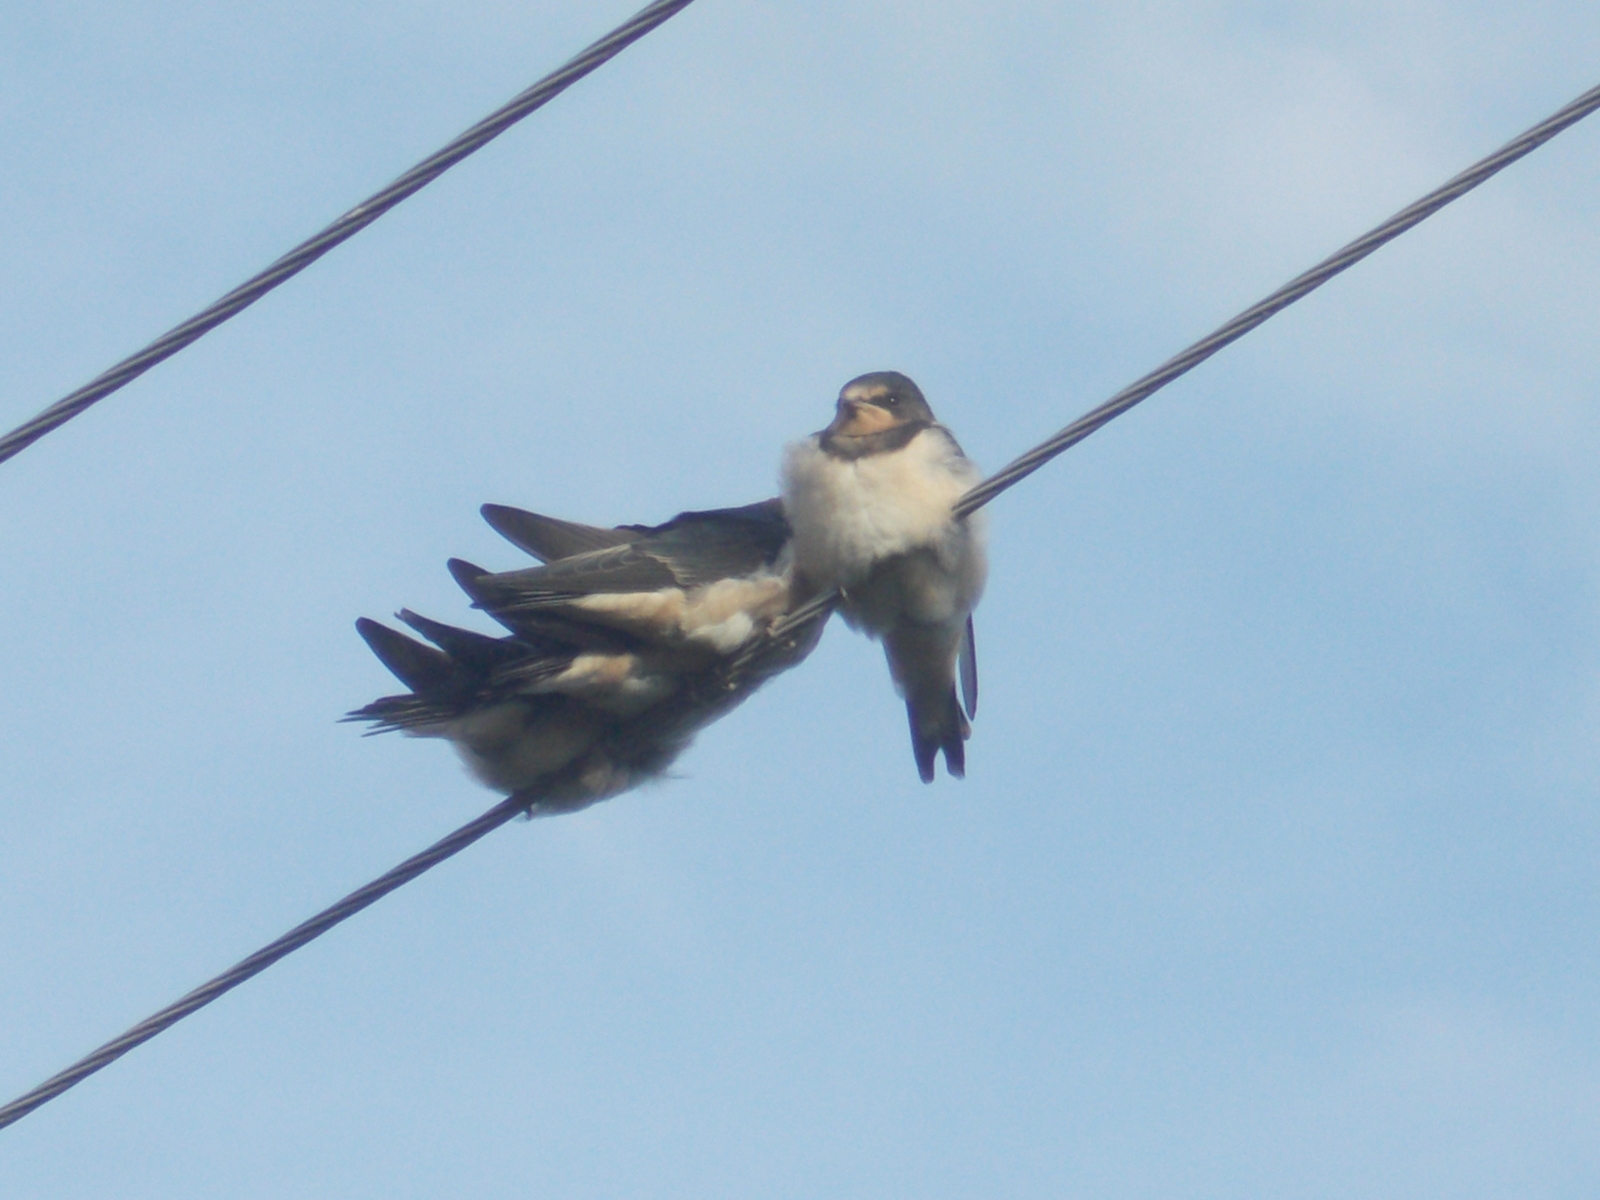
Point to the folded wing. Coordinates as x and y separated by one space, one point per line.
619 648
703 580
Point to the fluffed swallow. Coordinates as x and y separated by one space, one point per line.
622 646
869 499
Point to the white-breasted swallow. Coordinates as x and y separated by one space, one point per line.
622 646
869 499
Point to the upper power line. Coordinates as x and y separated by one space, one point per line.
1301 285
357 219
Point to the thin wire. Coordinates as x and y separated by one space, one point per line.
357 219
1296 288
779 648
784 635
264 958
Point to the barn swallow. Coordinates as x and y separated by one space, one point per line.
869 499
620 647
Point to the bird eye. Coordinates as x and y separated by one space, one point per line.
891 401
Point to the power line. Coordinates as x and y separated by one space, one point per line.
702 701
766 655
264 958
1302 285
357 219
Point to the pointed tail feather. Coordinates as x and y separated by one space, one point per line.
474 650
941 726
421 668
466 576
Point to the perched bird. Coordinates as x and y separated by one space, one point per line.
621 647
869 499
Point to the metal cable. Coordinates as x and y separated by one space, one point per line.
1300 286
264 958
775 651
357 219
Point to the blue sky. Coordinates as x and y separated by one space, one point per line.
1274 873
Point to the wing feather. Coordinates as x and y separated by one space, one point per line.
693 549
968 663
550 538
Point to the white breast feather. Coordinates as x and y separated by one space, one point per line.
849 515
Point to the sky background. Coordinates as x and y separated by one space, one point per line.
1275 873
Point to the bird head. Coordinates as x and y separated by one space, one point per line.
876 403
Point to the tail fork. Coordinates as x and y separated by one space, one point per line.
943 728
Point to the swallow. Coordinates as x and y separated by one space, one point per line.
869 499
620 647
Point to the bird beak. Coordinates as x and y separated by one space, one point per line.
856 418
845 413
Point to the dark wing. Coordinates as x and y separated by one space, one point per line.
718 543
691 550
968 664
468 670
549 538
